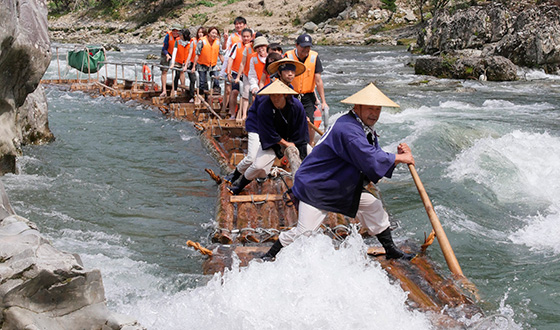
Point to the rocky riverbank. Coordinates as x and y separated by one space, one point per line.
44 288
40 286
337 22
489 40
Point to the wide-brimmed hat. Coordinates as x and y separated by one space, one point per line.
260 41
286 63
370 95
176 27
277 87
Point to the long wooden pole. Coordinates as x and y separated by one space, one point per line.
58 64
208 106
448 253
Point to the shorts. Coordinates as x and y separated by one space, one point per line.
234 85
308 100
164 62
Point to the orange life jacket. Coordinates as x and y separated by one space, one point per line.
182 52
304 83
192 47
171 43
250 53
257 64
209 52
238 56
235 38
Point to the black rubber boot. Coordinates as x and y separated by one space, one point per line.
232 177
235 190
391 250
271 254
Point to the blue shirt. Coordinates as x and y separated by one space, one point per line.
294 130
331 178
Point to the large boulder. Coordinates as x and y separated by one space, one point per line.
44 288
325 9
528 37
535 39
493 68
24 57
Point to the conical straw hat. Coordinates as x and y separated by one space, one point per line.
277 87
370 95
273 67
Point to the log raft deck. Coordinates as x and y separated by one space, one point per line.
248 223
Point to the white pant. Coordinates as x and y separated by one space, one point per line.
262 164
253 147
246 87
370 214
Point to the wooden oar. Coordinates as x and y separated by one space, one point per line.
444 244
315 128
208 106
448 253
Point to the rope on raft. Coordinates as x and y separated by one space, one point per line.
428 240
199 247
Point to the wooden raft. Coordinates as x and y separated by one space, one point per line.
248 224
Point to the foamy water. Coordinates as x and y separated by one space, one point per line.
519 167
310 285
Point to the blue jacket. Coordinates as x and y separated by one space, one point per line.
268 118
332 177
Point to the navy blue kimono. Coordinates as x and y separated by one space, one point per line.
289 124
251 124
332 177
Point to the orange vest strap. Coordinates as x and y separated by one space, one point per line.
305 83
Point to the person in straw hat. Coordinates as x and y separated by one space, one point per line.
344 160
281 123
285 70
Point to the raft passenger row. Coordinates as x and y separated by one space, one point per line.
260 210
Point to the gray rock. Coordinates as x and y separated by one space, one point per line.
409 16
25 54
44 288
530 37
495 68
310 27
325 9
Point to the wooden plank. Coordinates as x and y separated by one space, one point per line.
255 198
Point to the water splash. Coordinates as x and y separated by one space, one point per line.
310 285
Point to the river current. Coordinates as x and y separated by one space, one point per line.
125 187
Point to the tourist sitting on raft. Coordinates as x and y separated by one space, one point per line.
281 123
332 178
251 125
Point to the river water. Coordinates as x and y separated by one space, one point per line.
125 187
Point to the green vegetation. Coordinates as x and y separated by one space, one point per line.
406 41
389 5
296 21
199 19
205 3
448 61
